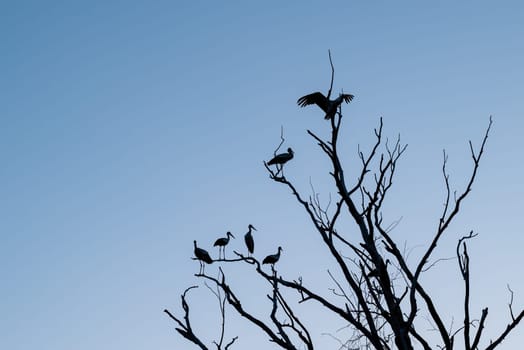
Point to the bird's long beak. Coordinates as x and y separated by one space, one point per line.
253 227
232 235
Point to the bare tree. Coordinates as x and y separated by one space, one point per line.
382 296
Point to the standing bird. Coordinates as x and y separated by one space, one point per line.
248 238
202 256
222 242
282 158
327 105
272 259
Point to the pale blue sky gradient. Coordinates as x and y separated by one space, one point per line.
128 129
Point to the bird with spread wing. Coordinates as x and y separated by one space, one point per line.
327 105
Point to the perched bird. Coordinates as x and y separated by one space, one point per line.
282 158
202 256
327 105
248 238
272 259
222 242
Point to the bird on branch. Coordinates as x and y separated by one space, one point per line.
222 242
248 238
272 259
327 105
282 158
202 256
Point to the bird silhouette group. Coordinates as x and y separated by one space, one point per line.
204 258
330 108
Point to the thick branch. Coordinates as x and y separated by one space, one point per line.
463 261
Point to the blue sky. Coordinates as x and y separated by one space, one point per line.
128 129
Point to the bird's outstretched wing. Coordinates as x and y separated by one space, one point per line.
347 97
314 98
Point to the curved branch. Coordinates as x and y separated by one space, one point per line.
332 75
185 327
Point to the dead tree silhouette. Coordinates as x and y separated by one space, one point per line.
384 295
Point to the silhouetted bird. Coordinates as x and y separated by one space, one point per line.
202 256
222 242
328 106
248 238
282 158
272 259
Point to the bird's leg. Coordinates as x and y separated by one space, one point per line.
280 169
